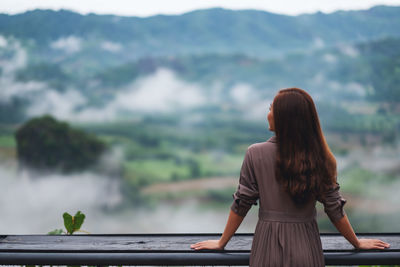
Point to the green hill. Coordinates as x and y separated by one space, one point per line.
208 31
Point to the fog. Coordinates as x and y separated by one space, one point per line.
163 91
112 47
69 45
35 206
160 92
9 65
348 50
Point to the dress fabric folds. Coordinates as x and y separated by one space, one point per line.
286 234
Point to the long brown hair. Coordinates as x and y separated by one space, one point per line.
304 165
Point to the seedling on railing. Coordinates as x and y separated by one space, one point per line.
72 224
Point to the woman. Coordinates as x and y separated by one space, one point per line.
288 174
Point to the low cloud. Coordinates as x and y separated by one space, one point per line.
18 59
243 94
318 43
253 104
35 204
111 46
348 50
59 104
356 89
69 45
11 88
332 87
3 41
160 92
329 58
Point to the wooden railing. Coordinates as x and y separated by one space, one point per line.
170 249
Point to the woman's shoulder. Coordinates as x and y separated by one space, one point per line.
270 144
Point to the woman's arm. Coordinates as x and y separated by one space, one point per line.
333 206
233 223
245 196
344 227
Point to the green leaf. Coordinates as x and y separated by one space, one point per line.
68 222
56 232
78 220
73 223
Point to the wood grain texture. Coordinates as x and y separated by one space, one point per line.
159 242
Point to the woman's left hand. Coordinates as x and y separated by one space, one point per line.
208 244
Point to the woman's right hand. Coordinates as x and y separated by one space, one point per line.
344 227
372 244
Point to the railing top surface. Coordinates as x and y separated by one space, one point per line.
169 250
160 242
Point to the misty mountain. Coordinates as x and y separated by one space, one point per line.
98 67
358 66
216 30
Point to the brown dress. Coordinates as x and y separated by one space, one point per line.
285 235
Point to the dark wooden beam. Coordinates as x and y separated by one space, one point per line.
169 249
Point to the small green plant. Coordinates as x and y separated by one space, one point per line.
72 224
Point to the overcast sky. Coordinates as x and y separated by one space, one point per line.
153 7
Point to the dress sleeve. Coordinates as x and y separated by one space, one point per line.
247 191
333 203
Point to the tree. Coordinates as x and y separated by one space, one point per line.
46 144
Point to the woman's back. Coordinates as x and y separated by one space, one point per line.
272 194
287 233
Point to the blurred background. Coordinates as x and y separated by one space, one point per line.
139 115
